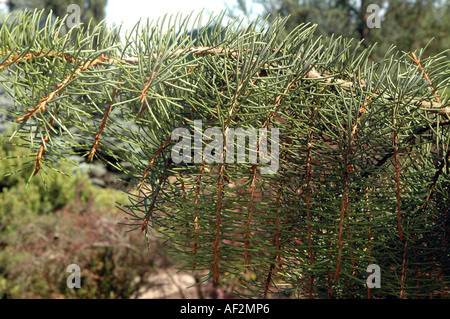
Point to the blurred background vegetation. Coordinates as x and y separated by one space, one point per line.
44 228
408 24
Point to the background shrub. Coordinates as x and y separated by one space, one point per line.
56 221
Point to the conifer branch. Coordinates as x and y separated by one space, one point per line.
102 126
341 188
16 58
397 182
268 280
153 161
44 144
416 60
59 88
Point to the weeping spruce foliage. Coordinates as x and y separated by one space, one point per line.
362 174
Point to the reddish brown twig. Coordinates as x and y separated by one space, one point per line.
102 126
416 60
16 58
441 167
344 207
397 184
152 162
150 211
216 244
37 164
252 189
268 280
197 195
144 91
59 87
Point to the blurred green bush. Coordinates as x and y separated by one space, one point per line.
44 227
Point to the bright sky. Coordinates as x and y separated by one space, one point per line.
128 12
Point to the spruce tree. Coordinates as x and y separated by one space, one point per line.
337 164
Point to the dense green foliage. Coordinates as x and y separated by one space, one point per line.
363 148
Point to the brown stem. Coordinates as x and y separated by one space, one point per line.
59 87
397 181
268 280
402 278
416 60
43 145
102 126
150 211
